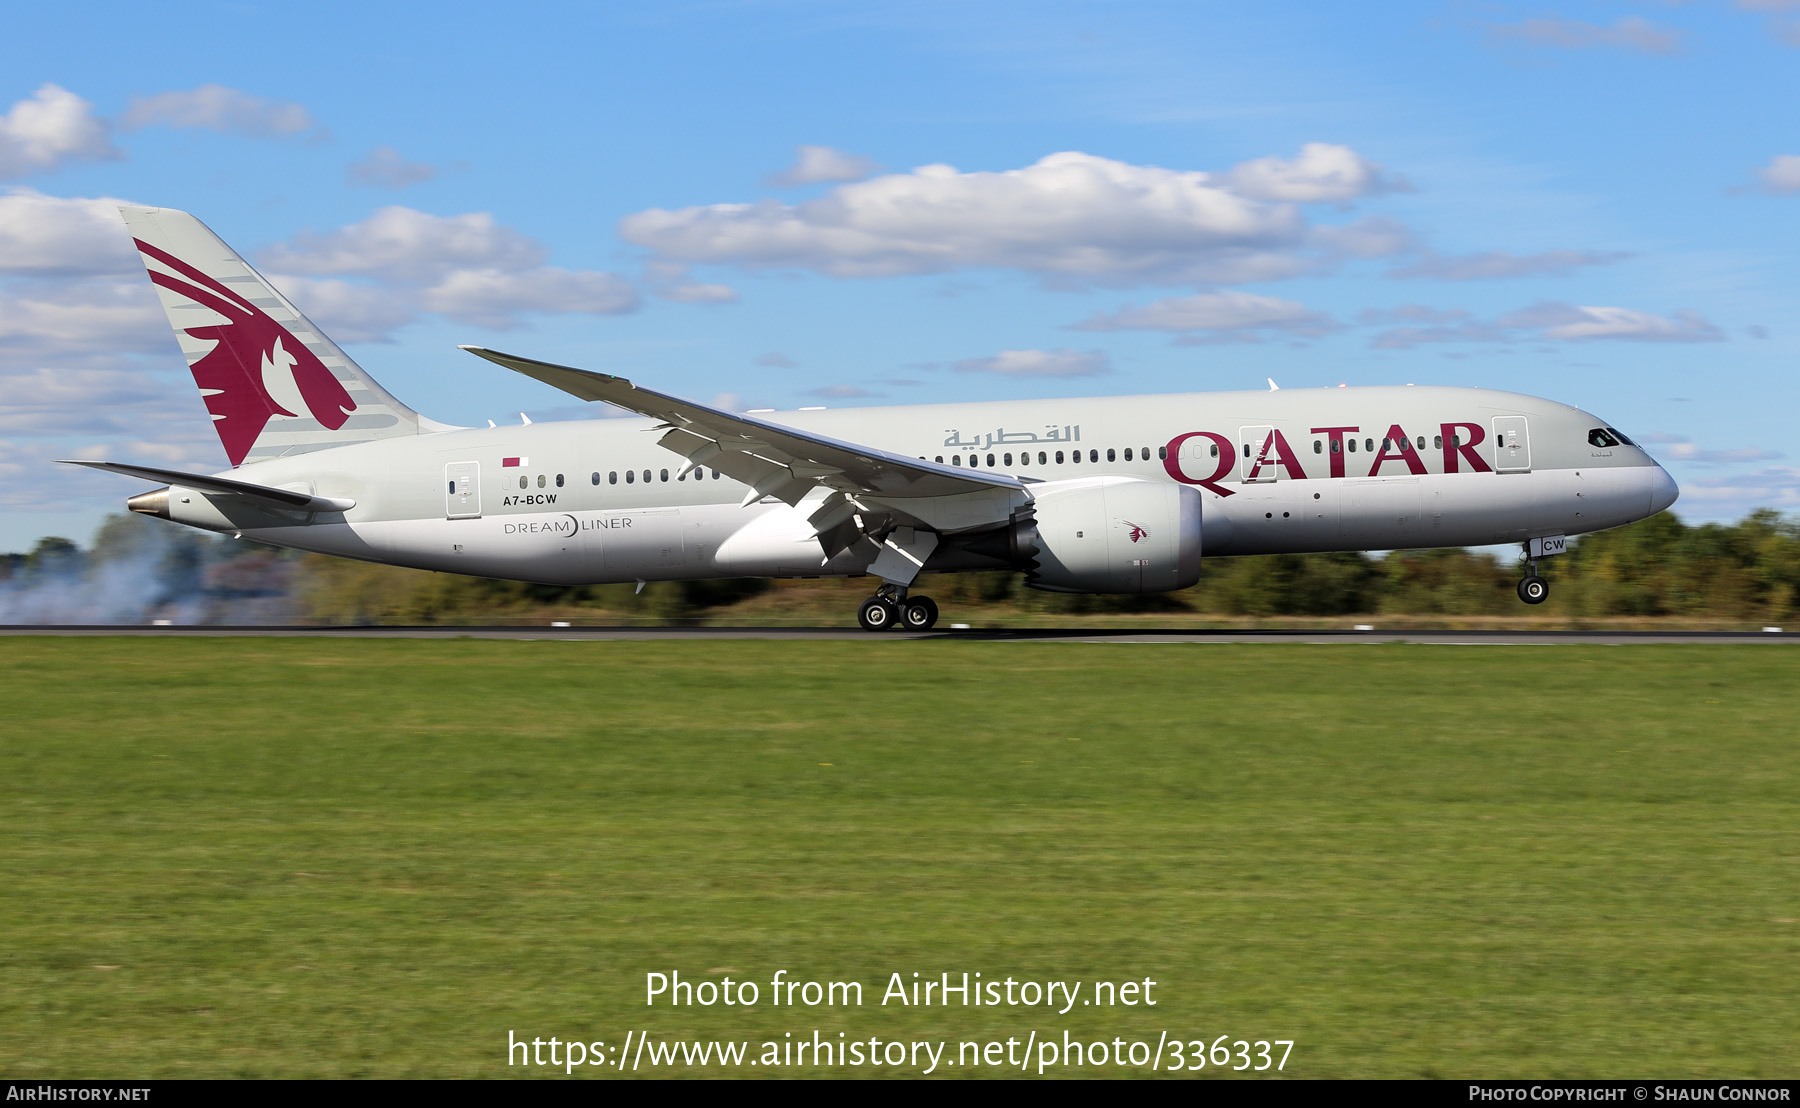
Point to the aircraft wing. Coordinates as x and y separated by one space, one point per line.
773 460
289 499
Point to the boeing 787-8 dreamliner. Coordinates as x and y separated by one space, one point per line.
1119 494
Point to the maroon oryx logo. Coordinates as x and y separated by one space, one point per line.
256 370
1138 532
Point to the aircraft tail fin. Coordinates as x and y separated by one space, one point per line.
274 383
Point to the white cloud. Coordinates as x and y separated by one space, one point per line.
1772 487
1323 173
1551 321
841 392
1410 313
816 164
1379 237
217 108
670 281
1678 449
56 236
1627 33
80 322
777 359
467 267
1038 363
698 292
1782 174
383 167
51 127
46 402
350 311
495 298
1240 314
1569 322
1498 264
1070 216
403 244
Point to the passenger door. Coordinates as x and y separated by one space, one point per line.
1512 444
462 490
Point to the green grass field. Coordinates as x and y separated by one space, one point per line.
265 857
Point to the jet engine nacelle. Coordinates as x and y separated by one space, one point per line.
1113 534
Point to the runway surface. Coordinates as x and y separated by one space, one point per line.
1072 634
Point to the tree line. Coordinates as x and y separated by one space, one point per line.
1659 567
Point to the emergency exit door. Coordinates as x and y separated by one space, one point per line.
462 490
1257 455
1512 444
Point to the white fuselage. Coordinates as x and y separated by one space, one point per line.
598 501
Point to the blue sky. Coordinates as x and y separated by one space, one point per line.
802 203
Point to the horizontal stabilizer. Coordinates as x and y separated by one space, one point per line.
290 499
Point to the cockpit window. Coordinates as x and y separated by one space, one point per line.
1620 435
1602 436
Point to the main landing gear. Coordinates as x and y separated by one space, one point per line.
890 606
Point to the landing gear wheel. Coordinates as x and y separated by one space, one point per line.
919 613
1534 590
877 613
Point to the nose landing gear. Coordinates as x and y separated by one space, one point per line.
1534 589
890 605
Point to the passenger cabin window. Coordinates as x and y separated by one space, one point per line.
1369 445
612 478
1006 459
524 482
1421 442
559 483
540 480
1127 454
1601 437
1043 458
1162 453
596 477
1059 457
1109 454
665 475
1318 447
1437 442
1352 445
646 477
991 462
630 476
